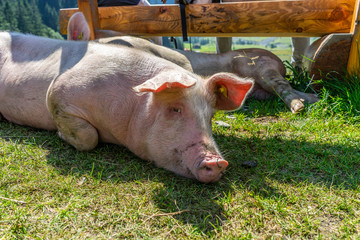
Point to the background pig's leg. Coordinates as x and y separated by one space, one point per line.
308 97
268 79
223 44
299 46
273 81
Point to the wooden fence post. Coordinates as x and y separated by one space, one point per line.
353 61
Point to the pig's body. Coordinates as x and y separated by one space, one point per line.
86 91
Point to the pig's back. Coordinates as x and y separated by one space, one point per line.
28 64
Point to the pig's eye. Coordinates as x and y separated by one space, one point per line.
175 110
178 110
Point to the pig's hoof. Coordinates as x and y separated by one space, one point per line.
60 135
249 164
297 106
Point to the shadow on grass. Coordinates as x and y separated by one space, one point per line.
287 161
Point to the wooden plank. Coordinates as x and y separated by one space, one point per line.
249 18
90 10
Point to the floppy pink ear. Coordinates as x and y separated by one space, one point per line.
230 90
78 29
166 81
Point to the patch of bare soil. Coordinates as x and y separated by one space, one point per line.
329 225
266 119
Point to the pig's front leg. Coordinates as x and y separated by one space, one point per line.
71 122
77 132
294 99
268 80
223 44
267 74
308 97
272 81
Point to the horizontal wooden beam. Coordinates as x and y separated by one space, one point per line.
302 18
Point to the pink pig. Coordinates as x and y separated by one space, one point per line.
92 92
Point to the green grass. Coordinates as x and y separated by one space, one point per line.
306 184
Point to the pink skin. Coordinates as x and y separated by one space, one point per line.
186 135
194 152
92 92
210 167
188 141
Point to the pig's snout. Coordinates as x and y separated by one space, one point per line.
210 169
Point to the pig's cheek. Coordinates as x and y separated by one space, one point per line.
188 157
180 167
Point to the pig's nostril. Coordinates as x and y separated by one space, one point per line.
213 164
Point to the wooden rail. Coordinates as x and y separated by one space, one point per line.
248 18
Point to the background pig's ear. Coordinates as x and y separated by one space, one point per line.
230 90
166 81
78 29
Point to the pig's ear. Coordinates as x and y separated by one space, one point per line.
230 90
78 29
166 81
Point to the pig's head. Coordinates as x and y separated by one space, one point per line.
178 134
